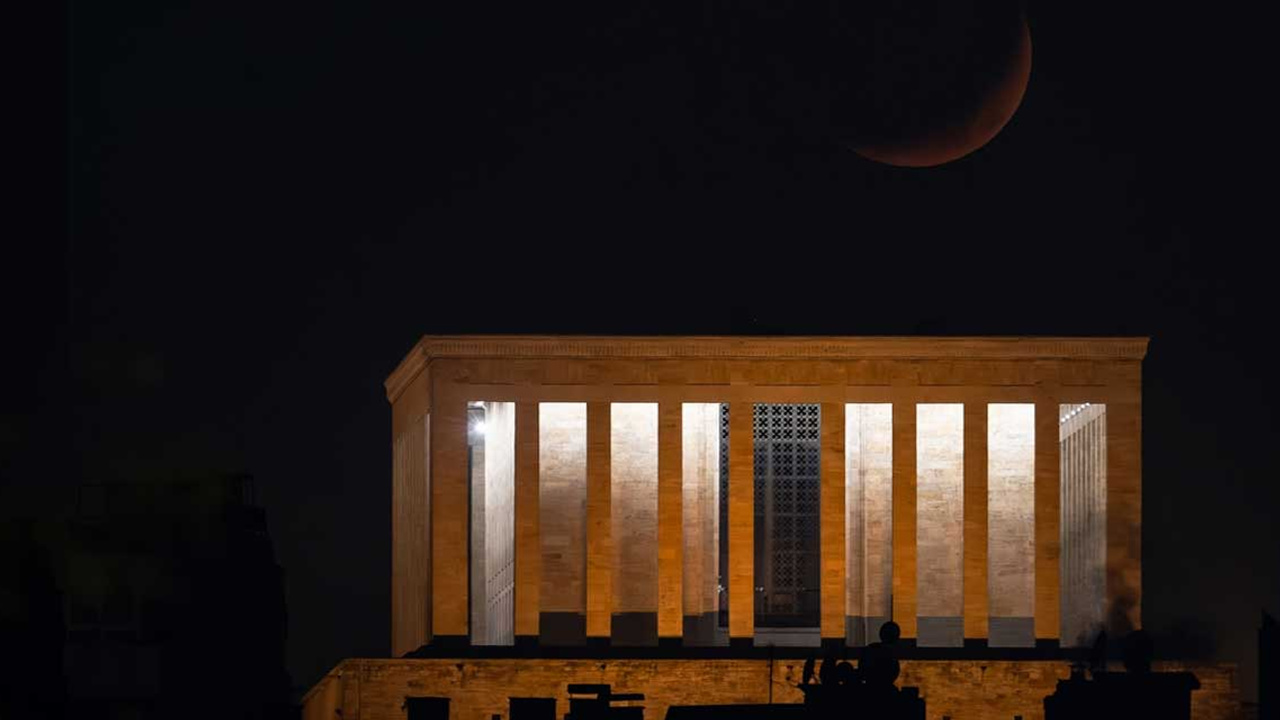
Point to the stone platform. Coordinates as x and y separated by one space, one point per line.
369 689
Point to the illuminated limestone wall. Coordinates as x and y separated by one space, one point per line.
700 446
477 553
1081 549
562 504
410 513
940 523
1011 477
634 514
1083 458
491 445
499 495
869 514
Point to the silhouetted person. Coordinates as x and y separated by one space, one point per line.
878 664
827 672
808 671
1138 692
1098 653
846 675
1138 652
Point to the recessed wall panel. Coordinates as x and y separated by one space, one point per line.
700 444
869 513
562 509
491 470
940 524
634 514
1083 464
1011 478
786 458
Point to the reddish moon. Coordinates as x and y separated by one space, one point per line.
969 133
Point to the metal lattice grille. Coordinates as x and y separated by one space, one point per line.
787 455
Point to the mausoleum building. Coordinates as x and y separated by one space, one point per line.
610 509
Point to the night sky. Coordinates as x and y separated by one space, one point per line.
270 202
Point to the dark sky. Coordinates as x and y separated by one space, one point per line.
270 202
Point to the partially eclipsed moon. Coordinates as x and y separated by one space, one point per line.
967 134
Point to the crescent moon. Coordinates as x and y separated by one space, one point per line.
962 138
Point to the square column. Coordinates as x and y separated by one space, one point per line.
742 620
528 540
670 522
449 541
600 558
1124 517
904 517
831 509
410 538
1047 522
976 602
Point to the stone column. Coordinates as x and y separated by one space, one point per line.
976 603
528 541
670 523
904 517
410 541
449 490
1124 516
600 557
831 509
741 525
411 516
1048 541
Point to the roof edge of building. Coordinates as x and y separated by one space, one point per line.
748 347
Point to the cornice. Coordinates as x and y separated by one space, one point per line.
757 348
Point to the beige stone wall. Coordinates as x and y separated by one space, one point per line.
450 593
1048 543
904 522
1011 476
741 571
869 512
410 537
977 598
634 497
499 504
600 546
430 389
1082 438
478 689
700 433
671 521
528 521
1124 516
940 510
562 502
479 551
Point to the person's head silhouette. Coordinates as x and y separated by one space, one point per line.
845 674
890 632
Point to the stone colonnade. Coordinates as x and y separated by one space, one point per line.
675 381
